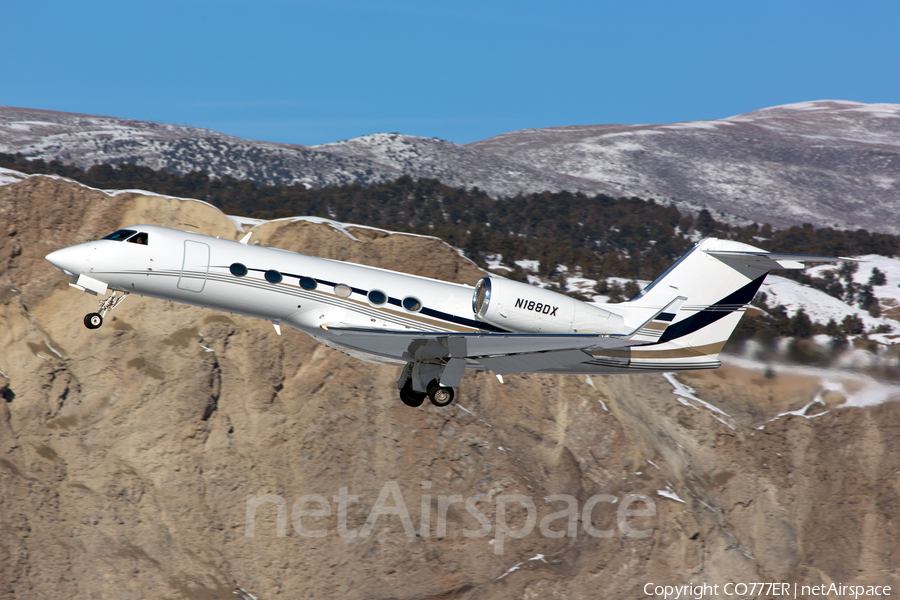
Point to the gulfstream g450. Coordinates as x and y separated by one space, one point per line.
436 329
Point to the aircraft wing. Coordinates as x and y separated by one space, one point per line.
441 344
533 350
503 353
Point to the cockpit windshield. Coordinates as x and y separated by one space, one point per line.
130 235
140 238
122 234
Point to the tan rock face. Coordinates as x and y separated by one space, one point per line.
127 454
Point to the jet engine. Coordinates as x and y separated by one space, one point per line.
523 308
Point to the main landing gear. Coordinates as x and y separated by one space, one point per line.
440 395
95 320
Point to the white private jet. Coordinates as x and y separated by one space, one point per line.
437 329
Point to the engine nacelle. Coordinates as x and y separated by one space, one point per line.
523 308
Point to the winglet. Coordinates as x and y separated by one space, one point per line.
246 238
653 328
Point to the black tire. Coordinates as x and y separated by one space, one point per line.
411 397
93 320
439 395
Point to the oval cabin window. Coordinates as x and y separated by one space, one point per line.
411 304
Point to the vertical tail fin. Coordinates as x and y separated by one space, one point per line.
718 278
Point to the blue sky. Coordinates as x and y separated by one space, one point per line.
311 72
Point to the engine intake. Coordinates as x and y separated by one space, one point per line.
523 308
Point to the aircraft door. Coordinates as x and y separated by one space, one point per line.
195 268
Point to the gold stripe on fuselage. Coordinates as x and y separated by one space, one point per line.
646 353
323 297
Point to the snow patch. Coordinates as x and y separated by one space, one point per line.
692 125
867 391
688 393
801 412
495 263
52 349
8 176
671 495
820 307
241 222
528 265
539 557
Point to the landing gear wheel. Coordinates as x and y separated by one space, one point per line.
93 320
439 396
411 397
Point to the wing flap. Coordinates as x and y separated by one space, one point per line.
442 344
533 361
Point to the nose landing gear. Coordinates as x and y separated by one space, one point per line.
95 320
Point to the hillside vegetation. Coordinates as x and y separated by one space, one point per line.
598 236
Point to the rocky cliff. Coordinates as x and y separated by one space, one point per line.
128 454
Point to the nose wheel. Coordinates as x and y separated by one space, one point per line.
95 320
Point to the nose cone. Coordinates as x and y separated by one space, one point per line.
71 259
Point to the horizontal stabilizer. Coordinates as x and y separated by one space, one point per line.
775 260
653 328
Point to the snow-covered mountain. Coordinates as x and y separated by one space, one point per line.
829 163
86 140
460 166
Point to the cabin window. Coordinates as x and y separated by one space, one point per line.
141 238
273 276
122 234
412 304
308 283
377 297
343 290
238 269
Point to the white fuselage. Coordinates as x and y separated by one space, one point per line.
196 269
679 322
